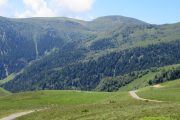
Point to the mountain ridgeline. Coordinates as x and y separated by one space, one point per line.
64 53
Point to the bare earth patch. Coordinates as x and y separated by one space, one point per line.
157 86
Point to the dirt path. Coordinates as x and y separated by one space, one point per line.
135 96
15 115
19 114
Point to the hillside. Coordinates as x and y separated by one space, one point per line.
3 92
144 79
32 38
64 53
75 76
168 91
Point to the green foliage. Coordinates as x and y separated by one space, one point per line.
111 84
87 75
166 75
85 110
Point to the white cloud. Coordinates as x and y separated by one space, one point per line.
3 5
35 8
3 2
51 8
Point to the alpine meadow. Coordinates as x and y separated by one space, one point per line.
108 68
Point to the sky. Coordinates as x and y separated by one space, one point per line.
151 11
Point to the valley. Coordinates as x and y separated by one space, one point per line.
67 69
81 105
64 105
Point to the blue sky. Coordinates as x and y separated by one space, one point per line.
151 11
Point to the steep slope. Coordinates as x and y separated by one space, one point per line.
24 40
87 75
63 53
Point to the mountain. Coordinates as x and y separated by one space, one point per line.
64 53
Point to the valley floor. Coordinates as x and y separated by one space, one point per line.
142 104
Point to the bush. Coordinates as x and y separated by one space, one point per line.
85 110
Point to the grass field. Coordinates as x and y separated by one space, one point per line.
81 105
76 105
169 91
41 99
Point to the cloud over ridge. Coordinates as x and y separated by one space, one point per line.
52 8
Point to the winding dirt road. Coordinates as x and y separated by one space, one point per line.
135 96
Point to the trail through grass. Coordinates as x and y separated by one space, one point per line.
169 91
77 105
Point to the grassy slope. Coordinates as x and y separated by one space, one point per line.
3 92
75 105
143 81
170 91
139 82
8 78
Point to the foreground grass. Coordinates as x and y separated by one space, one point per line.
157 118
169 91
121 107
76 105
109 111
42 99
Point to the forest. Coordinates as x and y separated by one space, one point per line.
87 75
